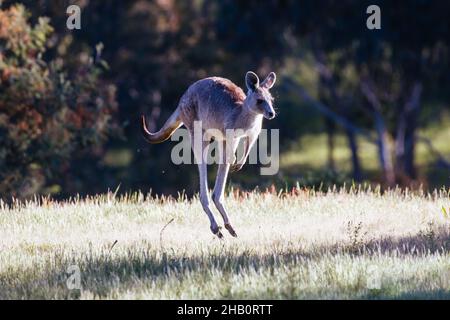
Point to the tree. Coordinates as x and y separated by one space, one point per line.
392 66
48 115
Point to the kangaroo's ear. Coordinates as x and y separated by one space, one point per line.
251 81
269 81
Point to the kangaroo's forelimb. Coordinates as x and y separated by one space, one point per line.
249 141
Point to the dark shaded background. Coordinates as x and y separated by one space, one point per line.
335 77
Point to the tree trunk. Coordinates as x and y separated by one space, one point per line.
383 150
330 128
328 97
406 134
355 159
382 132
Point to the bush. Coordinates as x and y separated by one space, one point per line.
48 115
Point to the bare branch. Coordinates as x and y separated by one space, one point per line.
326 111
162 230
369 93
414 100
441 159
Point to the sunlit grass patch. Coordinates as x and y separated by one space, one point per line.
298 245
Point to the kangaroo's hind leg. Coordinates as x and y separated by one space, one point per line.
221 179
198 149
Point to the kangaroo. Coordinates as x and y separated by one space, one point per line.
220 106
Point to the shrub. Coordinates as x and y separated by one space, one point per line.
48 114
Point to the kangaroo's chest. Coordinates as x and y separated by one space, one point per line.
250 124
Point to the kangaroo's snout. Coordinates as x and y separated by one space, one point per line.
268 111
269 115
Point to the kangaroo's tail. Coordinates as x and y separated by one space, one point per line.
172 124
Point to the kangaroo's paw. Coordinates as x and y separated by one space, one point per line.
217 232
231 230
235 167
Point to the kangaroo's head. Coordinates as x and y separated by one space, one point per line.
259 100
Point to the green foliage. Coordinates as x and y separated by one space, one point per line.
47 115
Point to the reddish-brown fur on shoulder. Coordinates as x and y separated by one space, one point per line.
230 88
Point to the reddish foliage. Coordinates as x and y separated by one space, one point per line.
48 115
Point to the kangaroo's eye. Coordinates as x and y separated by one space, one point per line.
259 101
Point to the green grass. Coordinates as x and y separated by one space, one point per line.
301 245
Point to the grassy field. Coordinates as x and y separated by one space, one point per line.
297 245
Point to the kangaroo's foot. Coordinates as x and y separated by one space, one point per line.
217 232
231 230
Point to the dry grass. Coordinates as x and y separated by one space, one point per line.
305 244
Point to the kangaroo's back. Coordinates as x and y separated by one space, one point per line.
215 101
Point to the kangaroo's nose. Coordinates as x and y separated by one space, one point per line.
271 115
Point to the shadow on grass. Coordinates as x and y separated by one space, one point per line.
106 276
428 241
